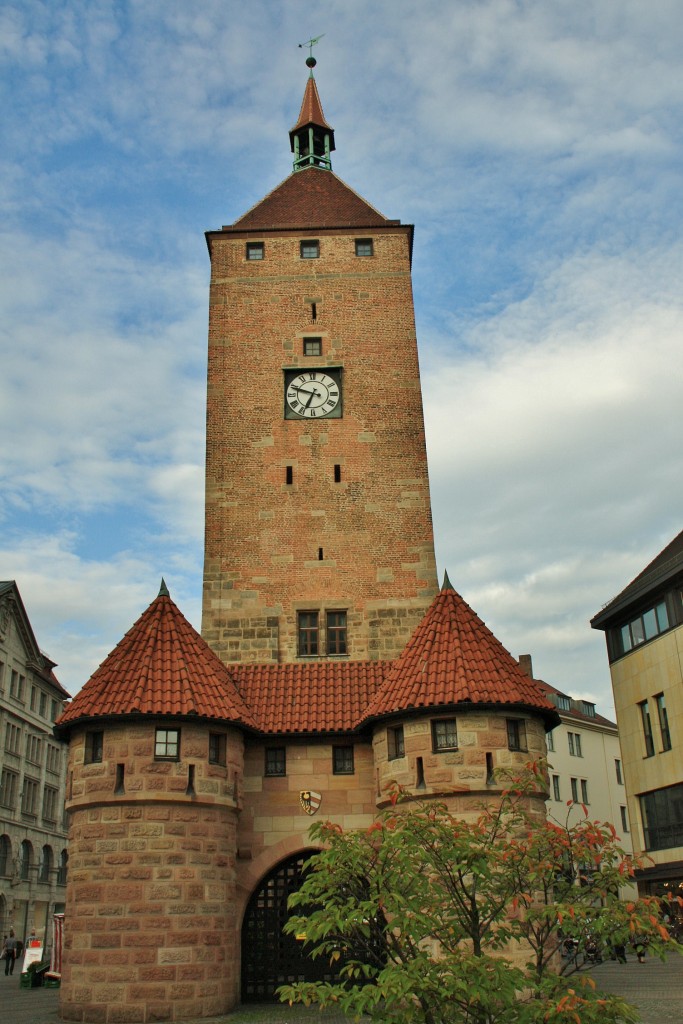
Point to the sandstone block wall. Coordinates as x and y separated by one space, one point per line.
150 930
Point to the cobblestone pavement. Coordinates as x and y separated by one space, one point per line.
656 988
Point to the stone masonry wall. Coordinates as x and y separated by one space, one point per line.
150 929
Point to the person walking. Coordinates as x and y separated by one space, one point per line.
10 952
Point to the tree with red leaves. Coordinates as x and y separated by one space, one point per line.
432 919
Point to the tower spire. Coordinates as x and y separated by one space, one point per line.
311 138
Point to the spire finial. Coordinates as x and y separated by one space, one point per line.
447 585
163 589
310 60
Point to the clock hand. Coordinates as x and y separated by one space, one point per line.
312 395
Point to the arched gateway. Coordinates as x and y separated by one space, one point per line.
270 957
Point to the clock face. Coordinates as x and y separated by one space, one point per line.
312 394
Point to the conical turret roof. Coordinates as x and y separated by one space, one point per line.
311 108
453 658
162 666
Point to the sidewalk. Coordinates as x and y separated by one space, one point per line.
655 988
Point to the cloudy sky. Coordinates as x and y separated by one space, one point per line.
537 148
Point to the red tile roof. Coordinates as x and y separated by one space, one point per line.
311 108
309 697
451 658
310 198
162 666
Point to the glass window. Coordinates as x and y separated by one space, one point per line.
12 738
34 748
577 744
336 633
624 819
45 864
255 250
617 769
43 705
310 249
364 247
556 787
395 742
588 708
663 722
308 634
217 748
575 790
313 346
550 741
647 728
516 734
50 803
9 784
29 796
276 761
342 760
584 792
444 734
662 812
25 860
564 703
167 745
645 626
94 745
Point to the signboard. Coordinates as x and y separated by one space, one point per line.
33 954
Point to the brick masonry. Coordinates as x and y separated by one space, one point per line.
363 543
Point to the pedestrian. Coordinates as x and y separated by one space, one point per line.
620 952
639 943
10 952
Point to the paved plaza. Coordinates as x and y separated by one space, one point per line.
655 988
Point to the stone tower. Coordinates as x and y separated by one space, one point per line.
155 789
318 522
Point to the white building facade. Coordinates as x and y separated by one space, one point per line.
33 834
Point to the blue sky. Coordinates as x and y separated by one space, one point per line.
536 147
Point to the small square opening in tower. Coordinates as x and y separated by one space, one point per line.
310 249
313 346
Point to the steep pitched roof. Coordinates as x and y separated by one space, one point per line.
11 599
663 567
162 666
453 658
312 697
311 108
575 711
310 198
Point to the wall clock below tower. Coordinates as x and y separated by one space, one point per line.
317 497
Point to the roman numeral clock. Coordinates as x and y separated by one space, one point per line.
313 394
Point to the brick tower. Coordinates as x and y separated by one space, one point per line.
318 522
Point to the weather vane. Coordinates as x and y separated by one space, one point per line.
310 60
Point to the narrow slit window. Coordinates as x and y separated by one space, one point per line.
420 774
320 555
314 313
119 788
289 474
190 791
337 473
490 777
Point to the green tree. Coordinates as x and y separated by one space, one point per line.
432 919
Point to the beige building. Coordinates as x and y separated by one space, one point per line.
33 832
585 765
644 632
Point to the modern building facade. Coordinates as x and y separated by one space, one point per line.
644 632
585 765
33 829
330 663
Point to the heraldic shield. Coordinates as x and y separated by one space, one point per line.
309 800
